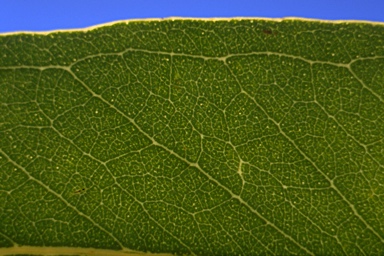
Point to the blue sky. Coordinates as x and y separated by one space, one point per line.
42 15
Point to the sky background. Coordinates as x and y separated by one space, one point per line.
43 15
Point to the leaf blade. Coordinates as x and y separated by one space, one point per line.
217 137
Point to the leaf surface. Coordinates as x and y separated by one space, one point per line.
241 136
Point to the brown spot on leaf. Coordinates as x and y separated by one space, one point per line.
269 32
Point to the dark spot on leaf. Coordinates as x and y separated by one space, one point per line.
79 191
269 32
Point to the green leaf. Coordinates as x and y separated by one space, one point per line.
226 137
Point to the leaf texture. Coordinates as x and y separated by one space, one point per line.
207 137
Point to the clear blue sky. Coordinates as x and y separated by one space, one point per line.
42 15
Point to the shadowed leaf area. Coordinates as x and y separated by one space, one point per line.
206 137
